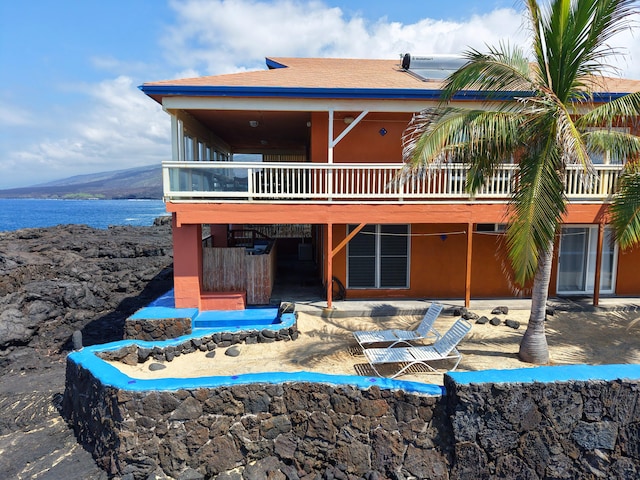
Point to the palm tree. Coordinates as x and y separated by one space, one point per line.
541 128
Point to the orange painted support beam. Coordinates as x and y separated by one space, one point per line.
329 265
348 238
265 213
187 264
467 283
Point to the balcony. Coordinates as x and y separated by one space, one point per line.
250 182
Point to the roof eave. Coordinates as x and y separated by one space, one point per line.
159 91
308 92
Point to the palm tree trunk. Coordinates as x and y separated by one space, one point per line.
533 347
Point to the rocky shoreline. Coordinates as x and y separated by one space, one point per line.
54 282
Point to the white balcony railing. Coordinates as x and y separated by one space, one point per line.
364 183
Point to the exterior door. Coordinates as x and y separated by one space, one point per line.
577 261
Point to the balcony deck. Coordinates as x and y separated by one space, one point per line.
370 183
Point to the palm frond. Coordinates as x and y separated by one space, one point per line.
502 69
571 41
481 139
625 209
620 146
622 108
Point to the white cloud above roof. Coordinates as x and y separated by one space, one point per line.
106 124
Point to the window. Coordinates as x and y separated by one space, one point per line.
378 257
189 151
491 227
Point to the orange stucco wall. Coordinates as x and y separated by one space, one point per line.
364 143
491 273
628 277
187 264
438 265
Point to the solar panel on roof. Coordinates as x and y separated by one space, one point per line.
432 67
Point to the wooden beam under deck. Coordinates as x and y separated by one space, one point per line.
269 213
345 213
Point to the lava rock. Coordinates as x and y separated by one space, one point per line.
512 324
502 310
232 351
470 315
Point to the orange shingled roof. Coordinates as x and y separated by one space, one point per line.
317 73
338 73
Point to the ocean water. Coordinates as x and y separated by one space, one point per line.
30 213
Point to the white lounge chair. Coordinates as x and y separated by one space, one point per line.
424 331
444 348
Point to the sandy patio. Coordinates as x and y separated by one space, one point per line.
326 345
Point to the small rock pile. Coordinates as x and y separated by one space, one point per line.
481 320
134 354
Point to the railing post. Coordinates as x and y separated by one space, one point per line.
250 184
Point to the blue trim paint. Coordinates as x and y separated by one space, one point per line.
341 93
211 321
159 313
564 373
110 376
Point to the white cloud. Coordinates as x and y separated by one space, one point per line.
15 116
221 36
121 129
113 125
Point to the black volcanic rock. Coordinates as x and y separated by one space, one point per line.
54 282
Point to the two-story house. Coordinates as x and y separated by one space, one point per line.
314 146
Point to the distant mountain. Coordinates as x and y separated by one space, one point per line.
139 182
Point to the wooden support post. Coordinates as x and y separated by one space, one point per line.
329 265
596 280
467 284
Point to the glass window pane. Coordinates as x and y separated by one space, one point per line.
393 272
608 253
393 240
572 259
362 272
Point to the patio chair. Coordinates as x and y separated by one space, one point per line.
424 331
443 349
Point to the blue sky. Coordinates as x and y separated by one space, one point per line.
69 69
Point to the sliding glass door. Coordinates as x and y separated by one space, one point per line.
577 261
